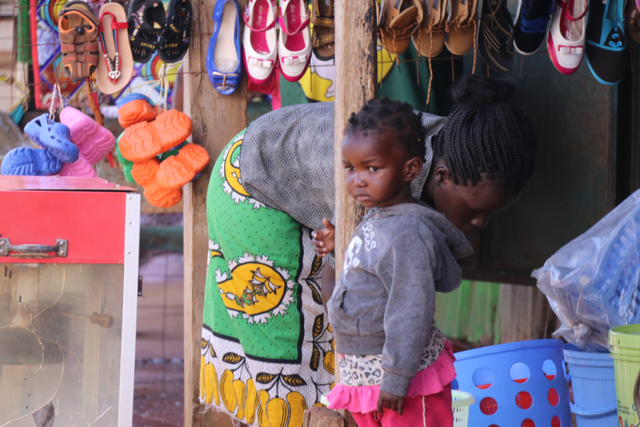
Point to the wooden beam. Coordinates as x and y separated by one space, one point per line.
356 54
216 119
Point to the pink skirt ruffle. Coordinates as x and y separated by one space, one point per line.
426 382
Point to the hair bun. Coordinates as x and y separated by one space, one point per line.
480 90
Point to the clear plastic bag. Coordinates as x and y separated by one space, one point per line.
592 282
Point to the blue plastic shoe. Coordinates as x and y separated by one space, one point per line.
26 161
133 97
220 56
606 45
54 136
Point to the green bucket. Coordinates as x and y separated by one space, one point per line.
624 347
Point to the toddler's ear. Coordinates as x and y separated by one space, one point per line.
412 167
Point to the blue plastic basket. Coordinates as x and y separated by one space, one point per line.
518 384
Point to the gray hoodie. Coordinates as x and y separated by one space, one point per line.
384 301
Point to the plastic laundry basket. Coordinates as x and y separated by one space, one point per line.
518 384
624 345
460 403
594 387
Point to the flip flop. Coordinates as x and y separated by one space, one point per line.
78 30
115 71
495 38
145 174
27 161
93 141
81 168
54 136
174 41
145 140
146 22
176 171
324 34
224 65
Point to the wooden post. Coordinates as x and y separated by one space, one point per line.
356 53
216 119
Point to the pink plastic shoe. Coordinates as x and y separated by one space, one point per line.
93 140
80 168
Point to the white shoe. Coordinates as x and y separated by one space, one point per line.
566 40
294 42
259 39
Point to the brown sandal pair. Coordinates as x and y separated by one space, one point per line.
78 31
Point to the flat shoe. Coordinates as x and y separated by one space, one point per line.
260 40
294 41
178 170
27 161
606 45
530 28
224 64
462 26
145 140
429 40
398 21
54 136
495 38
94 142
566 39
145 174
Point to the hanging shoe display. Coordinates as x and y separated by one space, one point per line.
530 28
323 38
260 40
462 26
78 31
115 70
294 40
146 22
566 39
495 38
175 39
398 22
224 65
607 48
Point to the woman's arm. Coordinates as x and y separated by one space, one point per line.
328 283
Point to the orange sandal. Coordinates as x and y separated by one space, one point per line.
145 140
145 174
176 171
136 111
78 31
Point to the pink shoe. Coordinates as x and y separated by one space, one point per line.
93 140
81 168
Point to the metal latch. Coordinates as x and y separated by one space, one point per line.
33 251
140 287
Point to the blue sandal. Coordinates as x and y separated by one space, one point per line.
54 136
224 47
27 161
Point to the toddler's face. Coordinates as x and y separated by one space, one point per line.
377 169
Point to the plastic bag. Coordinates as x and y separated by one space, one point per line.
592 282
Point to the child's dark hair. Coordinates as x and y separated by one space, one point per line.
383 114
486 133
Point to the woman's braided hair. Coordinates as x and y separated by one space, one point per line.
383 114
486 133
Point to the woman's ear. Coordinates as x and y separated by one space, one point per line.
441 175
413 167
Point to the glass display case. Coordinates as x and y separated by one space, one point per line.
68 289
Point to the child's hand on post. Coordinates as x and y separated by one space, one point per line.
324 240
390 401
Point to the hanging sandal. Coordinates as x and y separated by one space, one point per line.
135 108
260 41
78 30
462 27
632 21
174 41
145 173
495 38
398 21
323 38
178 170
54 136
116 68
27 161
146 22
429 39
94 142
566 39
81 168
